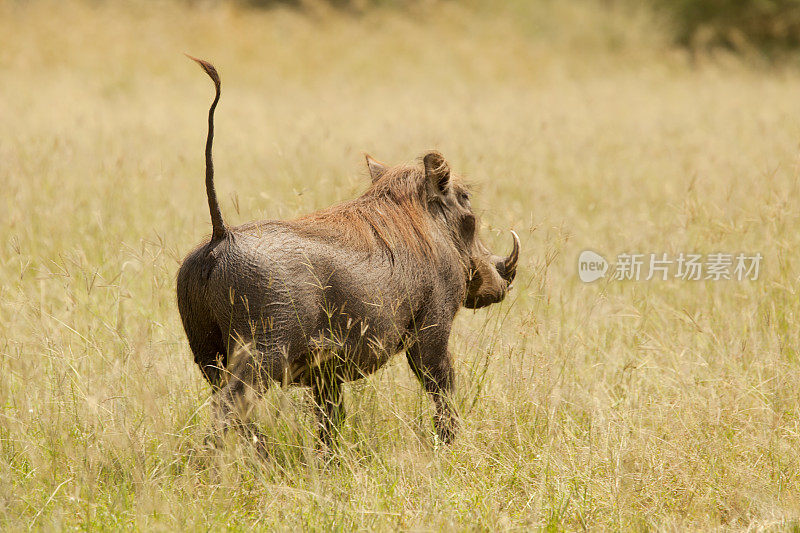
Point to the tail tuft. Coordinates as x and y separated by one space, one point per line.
208 67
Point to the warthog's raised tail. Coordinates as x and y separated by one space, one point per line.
218 225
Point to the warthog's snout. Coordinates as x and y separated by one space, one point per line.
491 276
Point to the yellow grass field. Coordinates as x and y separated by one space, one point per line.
612 405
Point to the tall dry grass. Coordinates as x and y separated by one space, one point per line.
616 405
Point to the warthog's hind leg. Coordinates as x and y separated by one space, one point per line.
329 404
231 405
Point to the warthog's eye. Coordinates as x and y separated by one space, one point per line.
463 199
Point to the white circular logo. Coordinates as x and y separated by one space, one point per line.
591 266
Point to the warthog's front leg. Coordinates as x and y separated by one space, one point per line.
431 362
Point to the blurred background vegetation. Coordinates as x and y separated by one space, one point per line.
769 26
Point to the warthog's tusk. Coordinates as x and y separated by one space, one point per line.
510 262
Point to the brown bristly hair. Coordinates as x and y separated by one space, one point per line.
391 214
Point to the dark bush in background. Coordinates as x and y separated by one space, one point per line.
769 25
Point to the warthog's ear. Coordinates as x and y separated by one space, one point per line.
437 172
376 168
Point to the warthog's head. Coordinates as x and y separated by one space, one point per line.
447 201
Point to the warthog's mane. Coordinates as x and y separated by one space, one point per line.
390 217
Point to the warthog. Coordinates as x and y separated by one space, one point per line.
331 296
